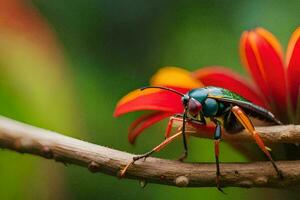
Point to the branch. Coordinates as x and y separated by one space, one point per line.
269 134
28 139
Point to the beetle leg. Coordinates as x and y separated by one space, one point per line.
145 155
185 153
170 125
217 139
178 117
245 121
185 119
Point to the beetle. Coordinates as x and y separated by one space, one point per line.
225 109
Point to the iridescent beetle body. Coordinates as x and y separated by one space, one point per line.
225 109
217 102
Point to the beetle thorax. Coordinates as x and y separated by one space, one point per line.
209 106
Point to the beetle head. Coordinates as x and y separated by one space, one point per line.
194 107
190 105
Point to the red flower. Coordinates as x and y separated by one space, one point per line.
162 104
275 84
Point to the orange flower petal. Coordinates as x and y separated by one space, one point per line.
172 77
293 71
225 78
165 102
176 77
139 125
261 54
160 101
249 60
135 94
272 40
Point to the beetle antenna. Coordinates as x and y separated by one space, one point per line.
163 88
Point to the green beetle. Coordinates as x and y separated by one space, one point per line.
224 108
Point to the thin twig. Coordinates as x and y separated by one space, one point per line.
24 138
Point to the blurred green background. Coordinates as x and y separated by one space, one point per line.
65 64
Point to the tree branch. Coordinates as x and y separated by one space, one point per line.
269 134
28 139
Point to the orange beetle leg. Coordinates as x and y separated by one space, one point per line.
170 125
155 149
245 121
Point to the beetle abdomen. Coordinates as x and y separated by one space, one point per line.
231 123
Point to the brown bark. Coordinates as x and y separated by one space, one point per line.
270 134
28 139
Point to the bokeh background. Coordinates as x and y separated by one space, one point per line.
65 64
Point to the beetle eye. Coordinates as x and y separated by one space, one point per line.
194 107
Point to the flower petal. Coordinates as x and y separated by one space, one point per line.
164 102
161 101
143 122
135 94
175 77
226 78
249 60
262 55
293 62
154 99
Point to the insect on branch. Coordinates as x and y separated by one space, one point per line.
24 138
